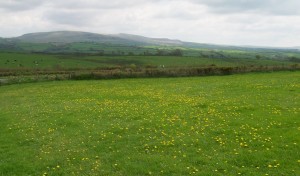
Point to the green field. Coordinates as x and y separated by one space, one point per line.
222 125
42 61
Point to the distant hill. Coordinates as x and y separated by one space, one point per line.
76 36
86 42
2 40
71 37
147 40
117 39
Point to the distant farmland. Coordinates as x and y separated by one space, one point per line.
53 61
33 67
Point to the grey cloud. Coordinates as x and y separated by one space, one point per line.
16 5
73 18
97 4
212 21
92 12
21 5
275 7
183 15
177 11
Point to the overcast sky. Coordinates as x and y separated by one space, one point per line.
234 22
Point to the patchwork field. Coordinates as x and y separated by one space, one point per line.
47 61
220 125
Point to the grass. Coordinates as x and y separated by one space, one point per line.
221 125
42 61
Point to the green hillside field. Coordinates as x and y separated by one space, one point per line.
52 61
219 125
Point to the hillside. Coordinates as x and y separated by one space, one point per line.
68 37
71 37
83 54
147 40
76 36
76 42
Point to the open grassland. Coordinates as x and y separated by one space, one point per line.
48 61
221 125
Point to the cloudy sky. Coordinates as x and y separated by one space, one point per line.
234 22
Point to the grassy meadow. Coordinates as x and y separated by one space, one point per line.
81 61
220 125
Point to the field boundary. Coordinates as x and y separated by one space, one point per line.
16 76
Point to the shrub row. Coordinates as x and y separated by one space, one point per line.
17 76
175 72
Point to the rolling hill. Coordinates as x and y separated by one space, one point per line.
83 52
70 37
147 40
76 36
67 42
67 37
